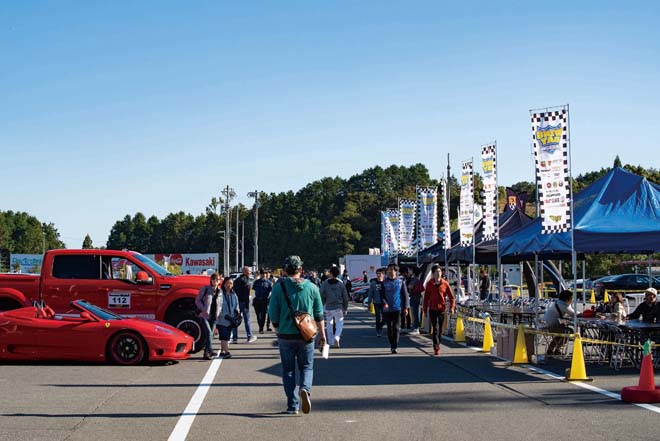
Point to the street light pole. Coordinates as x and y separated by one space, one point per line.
229 194
255 194
242 243
237 245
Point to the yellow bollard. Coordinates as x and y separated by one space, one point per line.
488 336
606 297
520 356
593 297
577 372
459 335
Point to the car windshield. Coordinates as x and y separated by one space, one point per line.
99 312
152 265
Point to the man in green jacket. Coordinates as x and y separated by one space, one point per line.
304 296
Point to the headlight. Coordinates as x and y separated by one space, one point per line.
165 330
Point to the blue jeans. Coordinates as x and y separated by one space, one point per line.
415 302
245 311
292 352
207 329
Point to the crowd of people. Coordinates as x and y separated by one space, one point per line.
398 300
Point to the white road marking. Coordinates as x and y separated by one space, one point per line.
593 388
607 393
182 427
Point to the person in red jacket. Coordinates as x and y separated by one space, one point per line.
437 293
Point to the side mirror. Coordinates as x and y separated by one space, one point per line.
87 316
142 277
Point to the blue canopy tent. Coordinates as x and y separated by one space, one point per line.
486 251
619 213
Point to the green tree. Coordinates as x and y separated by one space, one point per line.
87 243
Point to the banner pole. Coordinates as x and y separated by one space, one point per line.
497 233
573 252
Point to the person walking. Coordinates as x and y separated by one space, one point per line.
209 311
437 293
335 303
396 304
303 296
262 288
229 310
375 297
242 288
484 285
416 291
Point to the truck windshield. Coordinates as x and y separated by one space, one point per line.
152 265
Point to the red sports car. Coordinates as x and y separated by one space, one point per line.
89 334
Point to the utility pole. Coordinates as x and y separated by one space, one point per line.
237 245
255 194
229 194
242 243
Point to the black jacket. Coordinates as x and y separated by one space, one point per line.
242 288
647 312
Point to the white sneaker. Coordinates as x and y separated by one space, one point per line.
414 332
305 401
252 338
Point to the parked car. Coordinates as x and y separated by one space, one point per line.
124 282
623 282
88 333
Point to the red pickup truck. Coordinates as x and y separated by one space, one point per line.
124 282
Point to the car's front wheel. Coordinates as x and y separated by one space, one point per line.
189 323
127 348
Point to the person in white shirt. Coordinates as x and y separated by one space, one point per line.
559 310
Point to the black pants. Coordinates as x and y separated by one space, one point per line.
393 322
436 318
261 310
380 321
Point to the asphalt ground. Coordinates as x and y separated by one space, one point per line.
362 392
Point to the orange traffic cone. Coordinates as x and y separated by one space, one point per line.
646 391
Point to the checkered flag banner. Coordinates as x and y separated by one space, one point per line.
445 215
466 208
427 217
407 211
391 222
488 163
549 135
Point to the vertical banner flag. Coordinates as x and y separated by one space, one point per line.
407 210
445 215
466 209
549 135
427 218
392 231
383 232
490 191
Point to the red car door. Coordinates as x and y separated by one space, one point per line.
70 338
121 292
73 277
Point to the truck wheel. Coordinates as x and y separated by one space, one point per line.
127 348
188 322
9 304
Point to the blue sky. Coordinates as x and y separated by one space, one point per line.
109 108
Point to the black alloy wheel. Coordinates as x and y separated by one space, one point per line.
127 348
